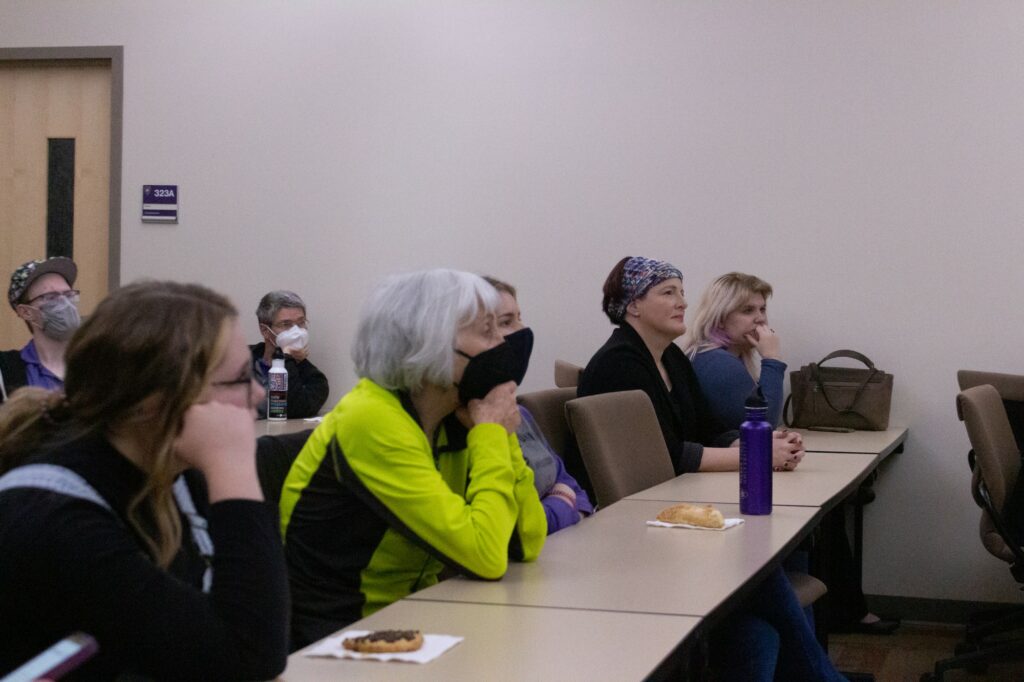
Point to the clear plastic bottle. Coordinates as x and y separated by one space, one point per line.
277 390
756 457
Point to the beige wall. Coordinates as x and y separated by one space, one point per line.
863 156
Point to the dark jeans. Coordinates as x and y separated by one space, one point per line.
768 638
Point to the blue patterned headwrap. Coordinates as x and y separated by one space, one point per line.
638 275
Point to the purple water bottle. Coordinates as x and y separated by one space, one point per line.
756 457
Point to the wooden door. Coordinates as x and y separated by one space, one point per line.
41 101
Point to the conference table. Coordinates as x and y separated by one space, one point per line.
612 598
274 427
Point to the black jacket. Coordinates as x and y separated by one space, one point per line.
12 371
624 363
307 385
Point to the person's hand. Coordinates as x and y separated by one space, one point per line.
786 454
497 407
220 440
563 493
765 341
790 436
298 354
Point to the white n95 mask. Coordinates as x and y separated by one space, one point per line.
293 338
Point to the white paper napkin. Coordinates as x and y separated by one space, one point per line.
729 523
316 420
433 646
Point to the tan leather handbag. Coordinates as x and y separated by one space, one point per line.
839 397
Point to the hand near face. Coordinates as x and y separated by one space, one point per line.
765 341
218 439
497 407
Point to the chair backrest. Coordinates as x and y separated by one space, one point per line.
274 457
621 443
998 464
567 374
1011 390
548 410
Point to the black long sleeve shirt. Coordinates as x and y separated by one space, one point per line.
624 363
68 564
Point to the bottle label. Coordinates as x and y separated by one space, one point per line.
277 395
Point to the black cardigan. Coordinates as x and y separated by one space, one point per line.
624 363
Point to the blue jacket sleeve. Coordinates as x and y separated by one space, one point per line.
773 372
725 382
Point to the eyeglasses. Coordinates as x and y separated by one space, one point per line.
250 376
288 324
52 296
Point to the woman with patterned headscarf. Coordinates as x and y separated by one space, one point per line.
645 298
767 636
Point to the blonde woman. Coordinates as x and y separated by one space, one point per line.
733 349
129 504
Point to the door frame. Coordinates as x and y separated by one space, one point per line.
115 55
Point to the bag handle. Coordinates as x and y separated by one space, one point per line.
854 355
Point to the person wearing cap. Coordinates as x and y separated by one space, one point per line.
40 293
766 636
285 329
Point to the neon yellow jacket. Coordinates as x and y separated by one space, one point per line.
373 518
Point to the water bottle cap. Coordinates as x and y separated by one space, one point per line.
756 400
277 363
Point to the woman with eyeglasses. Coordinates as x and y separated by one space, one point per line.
129 503
418 466
40 294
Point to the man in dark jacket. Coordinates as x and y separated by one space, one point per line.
283 326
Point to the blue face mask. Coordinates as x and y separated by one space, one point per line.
505 362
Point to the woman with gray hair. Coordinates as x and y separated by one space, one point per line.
418 466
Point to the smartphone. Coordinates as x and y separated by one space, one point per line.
57 661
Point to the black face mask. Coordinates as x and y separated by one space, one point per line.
504 362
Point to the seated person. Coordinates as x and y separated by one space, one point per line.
645 299
176 576
767 637
40 294
284 327
733 350
564 501
418 466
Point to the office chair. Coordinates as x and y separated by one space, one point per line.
1011 390
567 374
994 480
624 452
548 409
274 457
620 442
